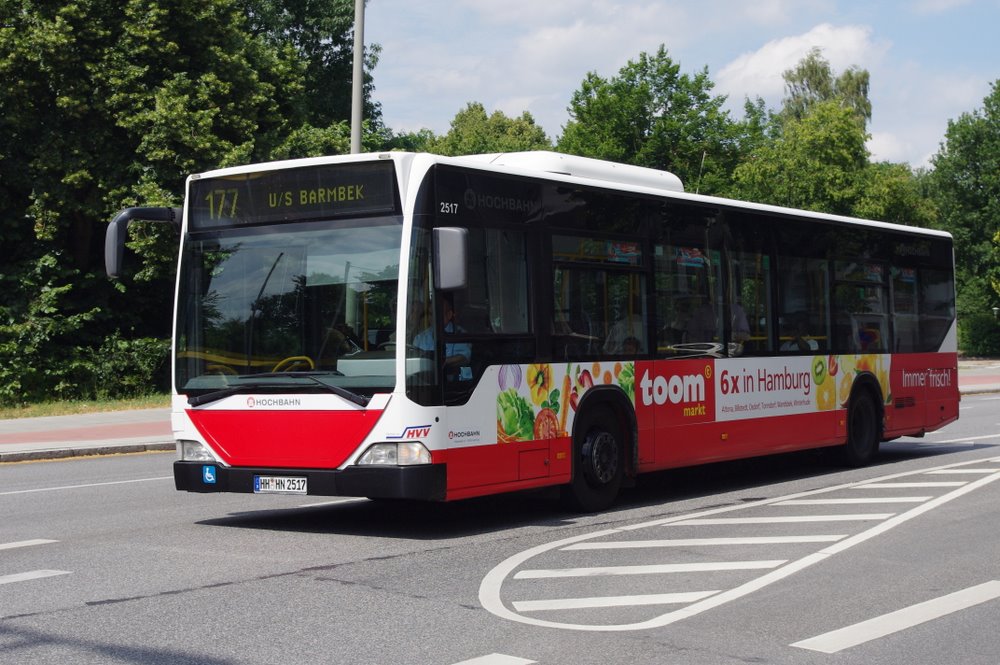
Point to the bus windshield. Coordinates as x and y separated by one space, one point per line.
293 306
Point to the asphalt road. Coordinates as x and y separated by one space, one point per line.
778 560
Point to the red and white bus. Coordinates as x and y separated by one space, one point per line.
415 326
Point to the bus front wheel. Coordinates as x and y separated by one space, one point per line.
598 464
863 433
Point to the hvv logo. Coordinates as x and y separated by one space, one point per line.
412 432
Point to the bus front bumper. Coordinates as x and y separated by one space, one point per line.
424 482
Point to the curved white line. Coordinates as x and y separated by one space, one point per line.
489 589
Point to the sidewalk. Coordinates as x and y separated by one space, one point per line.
57 437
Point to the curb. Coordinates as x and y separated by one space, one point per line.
91 451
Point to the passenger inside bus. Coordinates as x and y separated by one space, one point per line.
631 328
701 327
800 341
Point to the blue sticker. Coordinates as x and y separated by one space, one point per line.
208 474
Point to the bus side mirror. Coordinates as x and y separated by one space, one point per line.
450 257
117 233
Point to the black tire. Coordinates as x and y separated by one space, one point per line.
598 463
863 430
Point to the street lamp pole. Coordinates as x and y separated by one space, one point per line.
358 83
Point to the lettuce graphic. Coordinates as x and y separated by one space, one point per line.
515 415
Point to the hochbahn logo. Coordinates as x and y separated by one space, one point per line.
253 402
474 200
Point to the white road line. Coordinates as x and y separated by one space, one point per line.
33 575
611 601
859 633
656 569
26 543
968 438
706 542
917 485
76 487
844 502
946 472
497 659
785 519
490 587
334 502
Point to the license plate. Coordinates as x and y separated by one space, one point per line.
279 485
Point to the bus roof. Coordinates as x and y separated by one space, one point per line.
579 170
611 175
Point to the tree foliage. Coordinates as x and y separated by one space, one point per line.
811 81
966 185
817 163
474 132
110 104
652 115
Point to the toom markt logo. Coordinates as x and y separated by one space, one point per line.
683 396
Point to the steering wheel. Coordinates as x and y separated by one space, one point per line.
293 362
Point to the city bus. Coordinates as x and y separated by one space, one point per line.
412 326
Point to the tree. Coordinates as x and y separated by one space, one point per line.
894 193
106 105
817 163
473 132
652 115
966 185
321 32
811 81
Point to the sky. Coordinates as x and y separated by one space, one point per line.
930 61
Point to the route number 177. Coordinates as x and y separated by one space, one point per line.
222 203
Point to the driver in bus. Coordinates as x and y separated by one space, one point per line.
457 354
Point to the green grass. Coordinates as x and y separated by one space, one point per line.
84 406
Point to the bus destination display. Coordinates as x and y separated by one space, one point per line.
293 195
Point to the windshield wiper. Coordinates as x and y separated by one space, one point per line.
222 393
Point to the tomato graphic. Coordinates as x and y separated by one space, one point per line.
546 424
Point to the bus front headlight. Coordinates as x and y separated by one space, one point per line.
193 451
405 453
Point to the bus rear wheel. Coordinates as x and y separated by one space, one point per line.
598 464
863 432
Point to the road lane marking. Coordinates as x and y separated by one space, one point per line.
497 659
26 543
332 502
916 485
967 438
706 542
611 601
945 472
893 622
654 569
492 584
853 501
33 575
785 519
76 487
